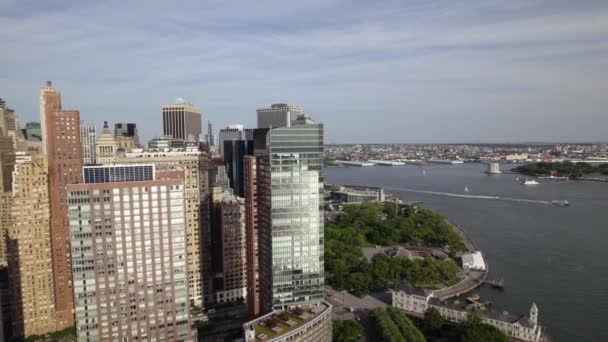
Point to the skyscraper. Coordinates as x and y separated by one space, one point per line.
278 115
251 231
88 137
182 120
290 213
129 246
233 132
61 141
234 152
194 164
210 140
30 263
124 129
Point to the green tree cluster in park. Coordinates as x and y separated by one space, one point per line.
473 330
432 322
349 269
346 331
392 325
561 169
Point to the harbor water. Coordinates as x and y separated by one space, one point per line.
556 256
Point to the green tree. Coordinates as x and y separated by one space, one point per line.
473 330
346 331
433 321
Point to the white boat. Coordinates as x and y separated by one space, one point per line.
466 189
530 182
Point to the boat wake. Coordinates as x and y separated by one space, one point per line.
449 194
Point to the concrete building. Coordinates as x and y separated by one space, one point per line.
233 132
290 214
307 323
129 268
182 121
61 141
251 231
88 137
230 278
30 265
473 261
415 302
32 130
194 164
105 146
278 115
126 132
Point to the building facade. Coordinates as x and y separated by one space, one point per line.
278 115
61 141
105 146
233 132
88 136
30 264
290 214
520 328
251 231
194 164
129 246
182 121
127 130
234 152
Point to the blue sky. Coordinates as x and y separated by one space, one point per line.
372 71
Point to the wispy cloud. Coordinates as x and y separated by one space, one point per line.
372 71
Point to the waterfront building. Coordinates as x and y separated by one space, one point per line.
182 120
307 323
290 214
61 142
129 245
30 264
357 194
233 132
126 132
234 152
88 136
415 302
229 249
105 146
194 164
278 115
494 168
516 157
473 261
251 231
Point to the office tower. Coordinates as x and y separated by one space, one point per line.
105 146
88 137
229 280
290 213
210 140
251 231
126 132
182 120
30 263
61 141
194 164
233 132
7 162
32 129
8 119
129 246
278 115
234 152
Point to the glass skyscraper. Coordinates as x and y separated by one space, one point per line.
290 213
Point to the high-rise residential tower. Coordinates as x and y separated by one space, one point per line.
290 213
129 246
61 141
251 230
30 263
194 164
88 137
278 115
182 120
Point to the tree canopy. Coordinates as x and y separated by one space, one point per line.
561 169
473 330
346 331
393 326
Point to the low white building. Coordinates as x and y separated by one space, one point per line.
473 261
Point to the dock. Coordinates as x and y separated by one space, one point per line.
497 284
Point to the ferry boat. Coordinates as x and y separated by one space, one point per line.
530 182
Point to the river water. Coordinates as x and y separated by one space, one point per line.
554 256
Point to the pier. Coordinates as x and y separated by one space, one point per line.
497 284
